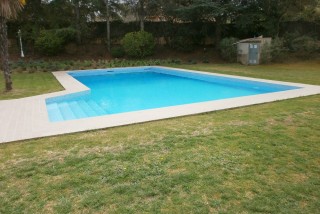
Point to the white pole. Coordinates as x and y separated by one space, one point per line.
19 33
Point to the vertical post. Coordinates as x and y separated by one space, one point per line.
141 14
108 25
21 48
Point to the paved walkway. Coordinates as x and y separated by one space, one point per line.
27 118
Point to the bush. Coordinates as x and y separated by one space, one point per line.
228 50
138 44
265 56
274 52
304 46
49 43
117 52
182 43
278 50
66 34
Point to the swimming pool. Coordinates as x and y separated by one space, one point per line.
121 90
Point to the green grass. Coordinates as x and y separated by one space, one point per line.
25 84
302 72
257 159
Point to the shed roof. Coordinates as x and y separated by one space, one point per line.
252 40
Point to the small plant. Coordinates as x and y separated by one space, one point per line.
265 56
182 43
48 43
274 52
138 44
278 51
52 42
305 46
192 62
117 52
228 49
66 34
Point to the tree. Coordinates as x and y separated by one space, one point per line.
272 13
139 7
112 10
82 10
217 11
8 9
108 24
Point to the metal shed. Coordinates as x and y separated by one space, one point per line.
249 50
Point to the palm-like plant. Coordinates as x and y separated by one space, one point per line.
8 9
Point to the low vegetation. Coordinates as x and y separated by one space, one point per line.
262 158
228 49
138 44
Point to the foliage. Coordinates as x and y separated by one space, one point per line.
304 46
225 18
117 52
182 43
228 49
278 50
274 52
66 34
33 66
49 43
138 44
265 56
10 9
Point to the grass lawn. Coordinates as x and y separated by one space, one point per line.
25 84
257 159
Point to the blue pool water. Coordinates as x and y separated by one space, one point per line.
133 89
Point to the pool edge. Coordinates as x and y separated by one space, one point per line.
41 127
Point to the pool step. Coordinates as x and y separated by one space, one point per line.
96 107
54 112
74 110
86 108
66 111
77 110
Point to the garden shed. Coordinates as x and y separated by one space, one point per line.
249 50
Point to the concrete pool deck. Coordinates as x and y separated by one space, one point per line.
27 118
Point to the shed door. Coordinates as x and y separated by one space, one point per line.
253 54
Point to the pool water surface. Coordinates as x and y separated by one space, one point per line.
114 91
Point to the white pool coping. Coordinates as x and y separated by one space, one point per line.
27 118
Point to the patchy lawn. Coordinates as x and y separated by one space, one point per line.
262 158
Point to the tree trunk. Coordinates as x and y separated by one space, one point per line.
141 23
141 14
218 32
5 53
108 25
77 10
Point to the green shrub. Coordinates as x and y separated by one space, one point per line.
288 39
66 34
49 43
228 49
117 52
304 46
138 44
274 52
182 43
278 50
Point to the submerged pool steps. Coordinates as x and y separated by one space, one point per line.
73 110
114 91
